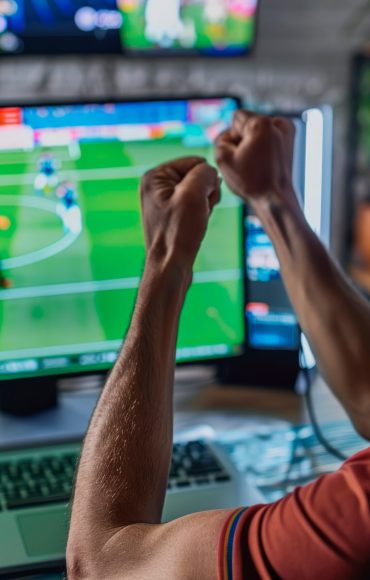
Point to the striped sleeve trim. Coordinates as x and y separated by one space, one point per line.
225 553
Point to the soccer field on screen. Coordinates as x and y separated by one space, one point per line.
74 292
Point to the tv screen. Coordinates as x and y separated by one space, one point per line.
71 239
209 27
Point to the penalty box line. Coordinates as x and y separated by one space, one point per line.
24 157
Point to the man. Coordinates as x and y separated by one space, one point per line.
321 530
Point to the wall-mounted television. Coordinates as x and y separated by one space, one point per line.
143 27
208 27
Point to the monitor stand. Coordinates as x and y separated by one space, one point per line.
23 397
66 422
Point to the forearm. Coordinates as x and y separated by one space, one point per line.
334 317
125 461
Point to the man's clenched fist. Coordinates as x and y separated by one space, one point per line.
177 199
256 156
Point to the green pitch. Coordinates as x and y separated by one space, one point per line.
71 294
237 30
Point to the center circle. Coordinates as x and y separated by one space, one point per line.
47 251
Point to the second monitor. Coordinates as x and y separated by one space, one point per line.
273 333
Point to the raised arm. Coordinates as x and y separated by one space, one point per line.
122 477
333 315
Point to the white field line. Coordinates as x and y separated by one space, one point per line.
33 202
39 255
102 174
106 285
63 159
30 258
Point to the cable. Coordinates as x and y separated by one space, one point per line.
305 374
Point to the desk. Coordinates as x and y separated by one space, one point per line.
199 401
226 407
200 405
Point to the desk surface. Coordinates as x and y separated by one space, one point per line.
198 404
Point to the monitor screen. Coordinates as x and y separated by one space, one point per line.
71 240
210 27
59 26
271 320
358 210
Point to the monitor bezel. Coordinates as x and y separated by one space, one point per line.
359 60
124 52
56 377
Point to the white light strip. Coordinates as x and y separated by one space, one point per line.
314 169
313 193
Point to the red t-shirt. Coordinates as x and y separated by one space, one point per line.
318 532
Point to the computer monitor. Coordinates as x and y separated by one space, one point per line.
272 323
59 26
356 250
71 243
208 27
273 333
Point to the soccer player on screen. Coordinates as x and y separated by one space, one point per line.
47 178
163 24
68 208
215 11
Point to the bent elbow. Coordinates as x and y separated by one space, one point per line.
76 569
77 563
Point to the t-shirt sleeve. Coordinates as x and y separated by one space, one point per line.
321 530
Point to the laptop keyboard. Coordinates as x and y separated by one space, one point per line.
49 478
32 482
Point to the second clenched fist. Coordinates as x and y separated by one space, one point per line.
256 156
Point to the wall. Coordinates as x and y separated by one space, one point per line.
302 59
